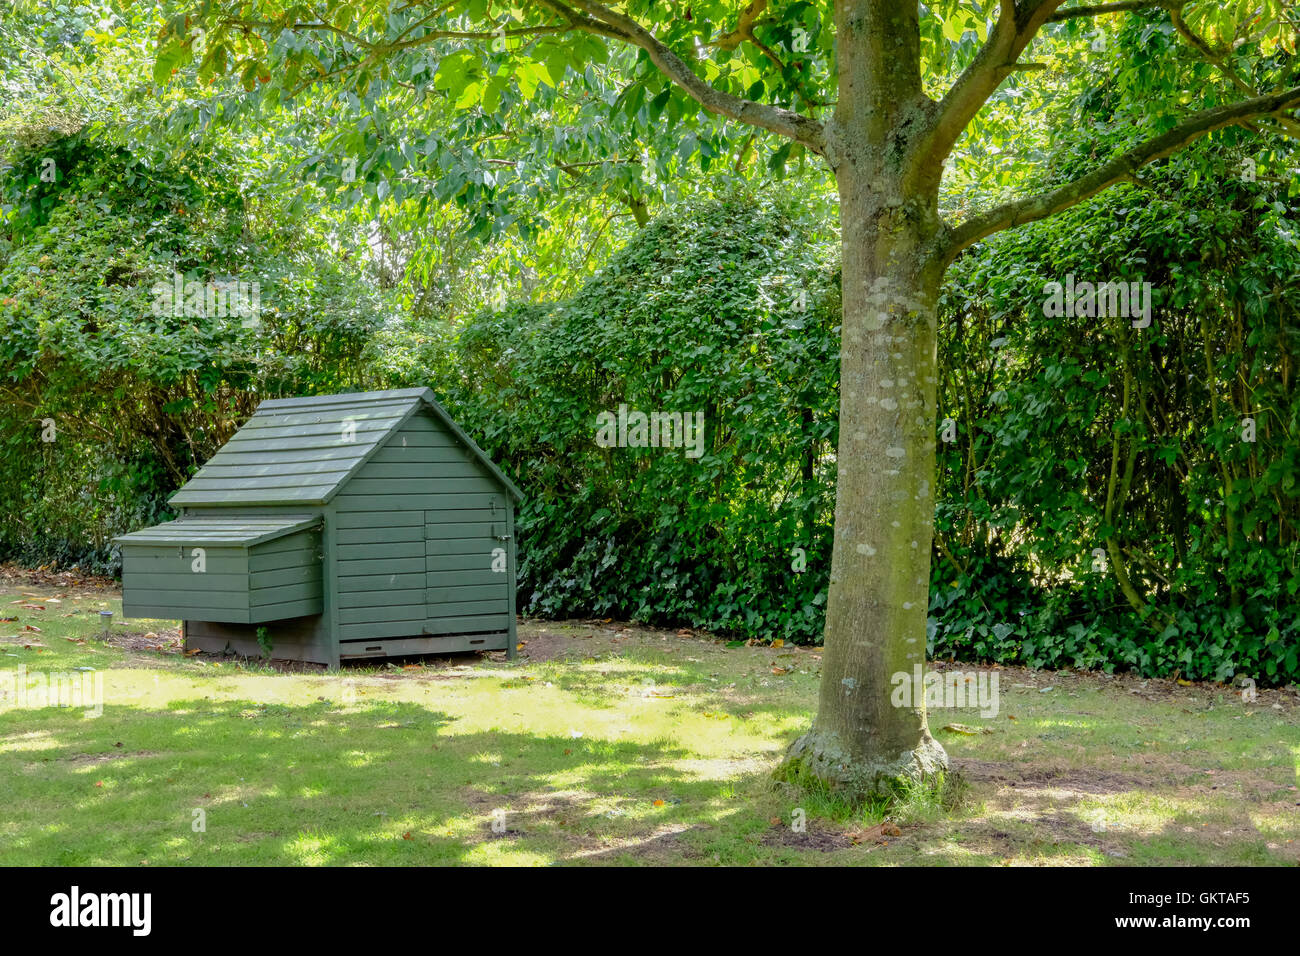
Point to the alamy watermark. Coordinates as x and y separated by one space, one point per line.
129 910
1129 300
20 690
656 430
213 299
946 689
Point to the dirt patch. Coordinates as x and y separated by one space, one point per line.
552 640
107 755
825 836
1076 780
71 582
425 667
1192 694
544 640
541 643
166 641
817 835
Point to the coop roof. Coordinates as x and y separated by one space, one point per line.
242 532
303 450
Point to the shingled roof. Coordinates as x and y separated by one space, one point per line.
294 451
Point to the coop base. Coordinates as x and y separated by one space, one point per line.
301 641
410 646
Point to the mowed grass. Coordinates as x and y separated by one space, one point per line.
601 745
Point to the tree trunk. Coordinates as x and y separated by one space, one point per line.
884 506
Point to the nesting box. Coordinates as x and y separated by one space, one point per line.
336 527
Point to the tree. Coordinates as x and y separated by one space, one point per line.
847 85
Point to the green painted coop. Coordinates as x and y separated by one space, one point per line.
333 528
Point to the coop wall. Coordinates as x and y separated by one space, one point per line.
415 529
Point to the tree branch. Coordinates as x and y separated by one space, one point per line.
1018 23
750 18
1219 62
603 21
744 27
1016 26
1101 9
1119 169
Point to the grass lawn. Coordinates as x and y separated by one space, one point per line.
602 744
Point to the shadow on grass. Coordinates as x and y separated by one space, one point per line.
382 783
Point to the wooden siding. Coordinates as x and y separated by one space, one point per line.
272 581
414 530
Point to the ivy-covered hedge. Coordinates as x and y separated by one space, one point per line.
1119 496
730 312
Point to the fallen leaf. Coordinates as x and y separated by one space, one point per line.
877 833
779 642
31 627
192 651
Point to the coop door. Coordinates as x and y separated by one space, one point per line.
469 562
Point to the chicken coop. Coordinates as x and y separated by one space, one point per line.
332 528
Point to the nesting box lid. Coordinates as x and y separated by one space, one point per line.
242 532
301 451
